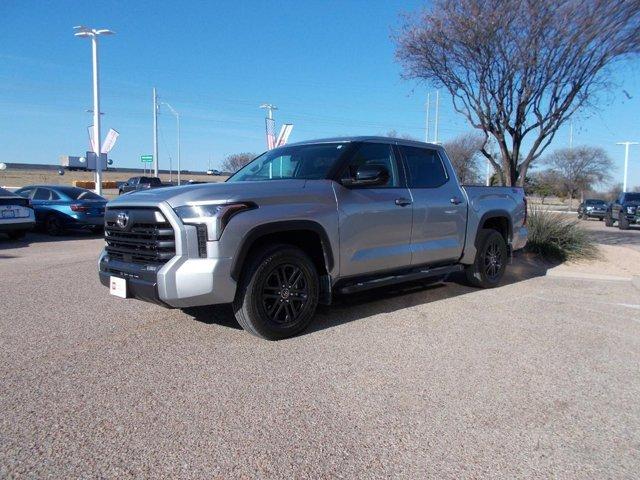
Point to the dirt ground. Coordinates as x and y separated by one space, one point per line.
20 178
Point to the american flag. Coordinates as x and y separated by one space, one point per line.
271 132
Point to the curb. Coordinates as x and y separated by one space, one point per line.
595 276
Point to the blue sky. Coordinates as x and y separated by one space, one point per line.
329 66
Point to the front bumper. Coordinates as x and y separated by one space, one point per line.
186 280
594 214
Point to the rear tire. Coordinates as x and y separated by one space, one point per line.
278 293
53 226
491 260
623 222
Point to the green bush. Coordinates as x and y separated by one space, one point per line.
557 236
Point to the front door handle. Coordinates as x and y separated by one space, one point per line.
456 200
403 202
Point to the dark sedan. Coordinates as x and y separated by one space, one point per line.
592 208
59 208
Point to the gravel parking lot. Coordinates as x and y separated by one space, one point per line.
536 379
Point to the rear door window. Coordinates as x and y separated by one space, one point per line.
425 167
42 194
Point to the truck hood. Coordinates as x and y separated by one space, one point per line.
273 191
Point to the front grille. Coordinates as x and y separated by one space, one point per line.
144 239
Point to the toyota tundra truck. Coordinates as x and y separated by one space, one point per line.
305 222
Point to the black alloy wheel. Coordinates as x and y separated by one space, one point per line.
285 294
494 259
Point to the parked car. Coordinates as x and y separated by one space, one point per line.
59 208
214 172
305 221
625 210
16 215
592 208
135 184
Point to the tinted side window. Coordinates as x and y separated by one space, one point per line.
26 193
425 167
375 154
42 194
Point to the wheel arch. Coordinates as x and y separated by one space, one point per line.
308 235
499 220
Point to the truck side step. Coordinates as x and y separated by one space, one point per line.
409 276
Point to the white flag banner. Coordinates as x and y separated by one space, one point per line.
109 141
283 136
92 144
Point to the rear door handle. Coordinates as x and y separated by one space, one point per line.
403 202
456 200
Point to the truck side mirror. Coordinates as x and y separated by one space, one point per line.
368 175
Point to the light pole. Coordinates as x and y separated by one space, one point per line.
178 123
626 161
94 34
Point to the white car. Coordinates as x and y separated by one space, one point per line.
16 215
214 172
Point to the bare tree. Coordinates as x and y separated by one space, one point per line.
545 183
518 69
580 168
464 151
394 134
234 162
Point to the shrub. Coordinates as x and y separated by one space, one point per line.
557 236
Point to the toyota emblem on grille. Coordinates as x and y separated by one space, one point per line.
122 219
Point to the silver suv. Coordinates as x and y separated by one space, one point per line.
305 221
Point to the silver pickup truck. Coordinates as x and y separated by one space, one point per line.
304 222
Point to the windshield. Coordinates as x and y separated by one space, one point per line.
632 197
306 162
595 202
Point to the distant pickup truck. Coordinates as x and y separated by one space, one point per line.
305 221
140 183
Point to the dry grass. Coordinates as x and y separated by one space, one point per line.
558 237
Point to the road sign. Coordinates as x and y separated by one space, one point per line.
146 158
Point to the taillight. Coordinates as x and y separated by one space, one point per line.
526 210
79 208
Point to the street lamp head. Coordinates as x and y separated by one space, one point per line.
82 31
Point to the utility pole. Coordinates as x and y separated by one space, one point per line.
94 34
426 130
155 132
173 110
626 161
435 135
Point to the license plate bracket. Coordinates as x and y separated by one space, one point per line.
118 287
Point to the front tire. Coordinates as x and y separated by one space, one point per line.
491 260
278 293
608 220
17 234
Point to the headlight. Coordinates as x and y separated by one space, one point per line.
214 216
631 210
589 208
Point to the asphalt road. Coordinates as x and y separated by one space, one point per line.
613 235
536 379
